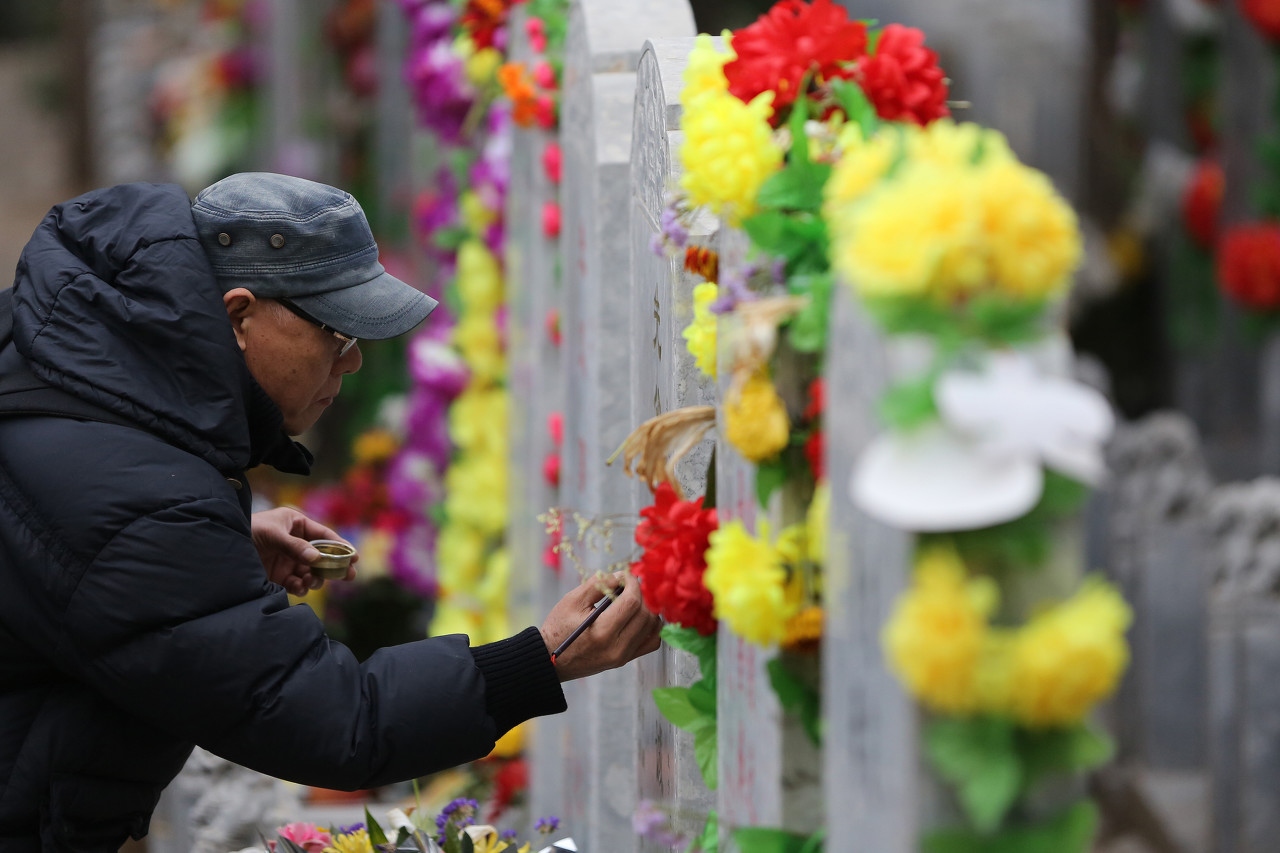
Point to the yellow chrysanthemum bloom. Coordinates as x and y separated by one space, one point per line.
816 522
512 743
938 630
453 618
492 591
479 278
863 163
952 144
351 842
728 152
916 235
478 419
1069 657
756 421
804 630
700 335
481 66
375 553
478 342
459 557
1032 234
476 492
374 445
705 71
746 578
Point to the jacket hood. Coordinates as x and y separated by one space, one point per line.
115 302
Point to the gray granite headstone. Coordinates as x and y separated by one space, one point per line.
664 377
1244 653
601 53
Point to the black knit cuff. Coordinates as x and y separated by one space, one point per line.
520 681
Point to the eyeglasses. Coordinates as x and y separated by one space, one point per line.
346 340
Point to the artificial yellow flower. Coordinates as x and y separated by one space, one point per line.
1032 234
373 446
728 152
816 522
459 556
804 630
700 335
492 590
481 66
479 278
952 144
1069 657
937 633
351 842
917 235
478 342
485 839
453 618
705 70
375 553
755 420
746 578
863 163
476 492
512 743
478 419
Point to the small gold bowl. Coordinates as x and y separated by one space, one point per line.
335 559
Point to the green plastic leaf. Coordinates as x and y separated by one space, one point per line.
807 331
1062 496
705 750
1072 831
770 476
1002 320
978 757
376 834
795 187
708 841
673 703
799 152
288 846
702 696
761 839
798 698
856 106
1072 750
465 844
909 404
800 238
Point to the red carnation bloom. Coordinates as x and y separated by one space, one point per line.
813 446
1202 202
789 41
1249 264
1263 14
674 535
902 80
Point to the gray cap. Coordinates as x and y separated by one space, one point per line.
282 237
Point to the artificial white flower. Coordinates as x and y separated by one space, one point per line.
981 464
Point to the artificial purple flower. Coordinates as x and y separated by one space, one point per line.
414 481
435 366
650 822
412 561
427 425
347 830
733 289
672 228
547 825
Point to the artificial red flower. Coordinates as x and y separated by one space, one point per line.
551 220
544 111
702 261
1249 264
1202 201
555 428
551 469
789 41
482 19
1264 15
552 162
674 535
902 79
813 446
544 75
536 30
511 781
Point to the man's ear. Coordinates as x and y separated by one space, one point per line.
241 307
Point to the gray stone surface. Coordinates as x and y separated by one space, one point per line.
663 378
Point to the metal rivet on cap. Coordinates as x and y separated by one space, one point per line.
277 241
224 239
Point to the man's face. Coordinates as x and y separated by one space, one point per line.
295 361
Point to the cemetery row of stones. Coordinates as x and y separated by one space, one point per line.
1195 697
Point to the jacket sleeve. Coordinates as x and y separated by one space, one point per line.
175 622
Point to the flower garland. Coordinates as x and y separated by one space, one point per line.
829 144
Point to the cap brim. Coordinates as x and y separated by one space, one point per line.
383 307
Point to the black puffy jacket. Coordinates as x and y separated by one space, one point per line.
135 615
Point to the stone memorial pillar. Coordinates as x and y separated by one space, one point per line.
601 734
770 773
664 377
1244 654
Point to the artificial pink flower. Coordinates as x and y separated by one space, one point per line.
308 836
552 162
544 75
551 220
555 427
536 30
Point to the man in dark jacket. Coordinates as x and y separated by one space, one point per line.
157 349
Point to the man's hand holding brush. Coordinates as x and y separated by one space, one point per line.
620 630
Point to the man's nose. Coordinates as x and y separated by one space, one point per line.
349 362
